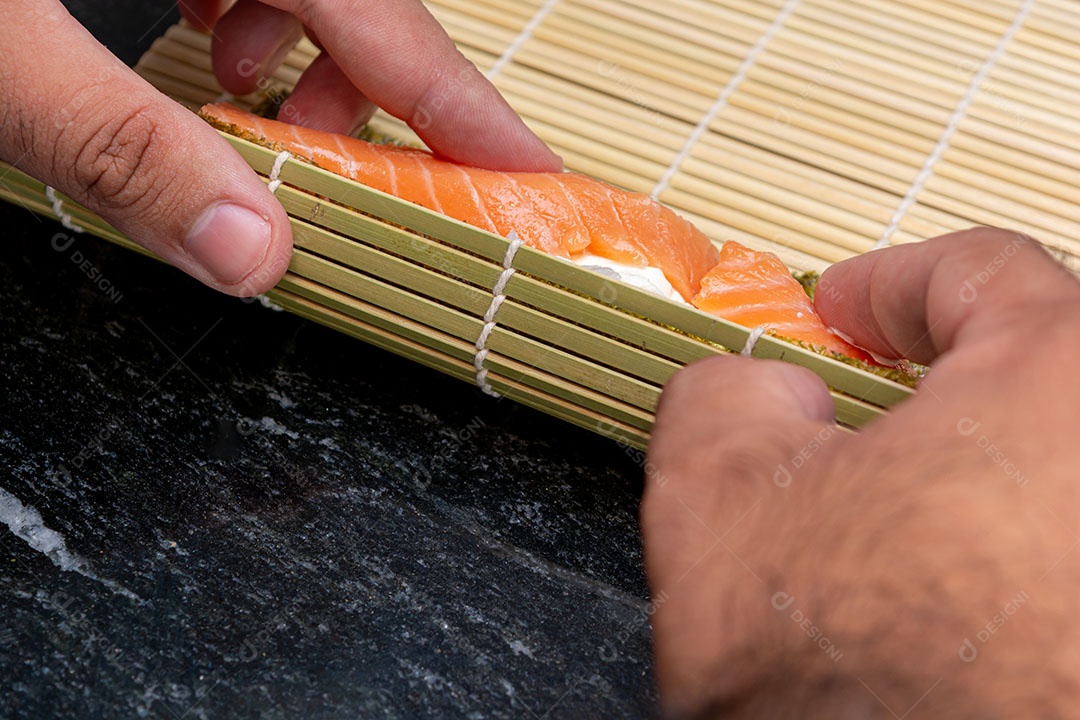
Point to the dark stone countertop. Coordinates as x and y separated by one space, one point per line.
215 510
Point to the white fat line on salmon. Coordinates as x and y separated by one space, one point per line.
275 171
497 299
429 183
751 340
58 210
477 200
954 122
391 173
521 39
722 100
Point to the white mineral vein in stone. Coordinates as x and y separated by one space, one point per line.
24 521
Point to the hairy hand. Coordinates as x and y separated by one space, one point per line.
75 117
924 567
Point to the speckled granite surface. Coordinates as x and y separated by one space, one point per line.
262 518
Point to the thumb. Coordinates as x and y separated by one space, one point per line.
721 418
729 436
76 118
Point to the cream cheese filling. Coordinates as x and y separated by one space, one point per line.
649 279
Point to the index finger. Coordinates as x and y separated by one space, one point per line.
399 56
203 14
922 300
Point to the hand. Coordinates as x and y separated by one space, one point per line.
924 567
75 117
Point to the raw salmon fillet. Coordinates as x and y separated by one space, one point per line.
563 214
754 288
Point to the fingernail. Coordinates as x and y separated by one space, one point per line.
229 241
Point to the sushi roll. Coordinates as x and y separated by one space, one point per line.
622 234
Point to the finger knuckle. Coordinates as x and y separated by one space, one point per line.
16 130
306 10
114 159
752 456
741 458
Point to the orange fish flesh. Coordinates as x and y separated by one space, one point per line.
754 288
564 214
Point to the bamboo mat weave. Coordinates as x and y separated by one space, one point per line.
818 129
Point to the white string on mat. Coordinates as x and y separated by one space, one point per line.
521 39
751 340
224 97
954 122
268 303
721 101
498 297
279 162
58 210
273 185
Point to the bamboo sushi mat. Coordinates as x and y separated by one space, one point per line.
818 129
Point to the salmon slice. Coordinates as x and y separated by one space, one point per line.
564 214
755 288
